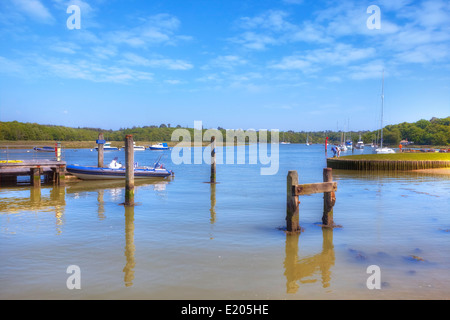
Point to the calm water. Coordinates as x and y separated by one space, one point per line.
187 239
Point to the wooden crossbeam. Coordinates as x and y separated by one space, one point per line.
293 190
303 189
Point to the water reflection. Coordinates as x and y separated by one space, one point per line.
387 175
130 248
25 199
212 210
305 270
101 205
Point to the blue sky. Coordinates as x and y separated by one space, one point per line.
289 64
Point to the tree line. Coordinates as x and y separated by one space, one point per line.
435 131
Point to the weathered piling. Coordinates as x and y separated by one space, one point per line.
213 160
292 202
329 199
327 187
100 143
35 176
129 171
58 175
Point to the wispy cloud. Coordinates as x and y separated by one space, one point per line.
35 10
315 60
171 64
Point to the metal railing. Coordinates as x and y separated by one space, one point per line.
9 153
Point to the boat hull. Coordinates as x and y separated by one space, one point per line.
156 148
108 149
95 173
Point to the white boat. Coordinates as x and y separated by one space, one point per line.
159 146
136 148
359 144
307 140
107 147
284 141
384 150
342 145
381 149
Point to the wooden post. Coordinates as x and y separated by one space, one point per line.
292 215
213 159
329 199
100 151
35 177
129 170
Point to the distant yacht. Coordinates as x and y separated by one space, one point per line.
349 144
359 144
284 141
383 150
342 146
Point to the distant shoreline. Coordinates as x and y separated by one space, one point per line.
88 144
120 144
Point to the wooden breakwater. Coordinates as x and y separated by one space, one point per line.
395 165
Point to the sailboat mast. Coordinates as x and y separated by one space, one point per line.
382 107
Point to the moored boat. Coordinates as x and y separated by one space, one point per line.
107 147
44 149
136 148
383 150
349 144
159 146
96 173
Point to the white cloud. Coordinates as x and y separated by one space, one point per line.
315 60
35 10
226 62
159 29
171 64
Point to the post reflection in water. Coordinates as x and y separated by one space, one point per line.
299 270
129 246
101 204
58 198
212 210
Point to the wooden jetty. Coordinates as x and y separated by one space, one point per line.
52 170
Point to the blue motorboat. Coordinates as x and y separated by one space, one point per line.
159 146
